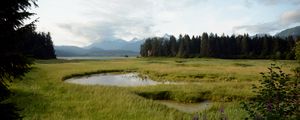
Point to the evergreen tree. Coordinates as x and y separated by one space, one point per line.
38 45
186 48
265 47
173 46
193 45
198 45
180 46
241 46
13 64
204 45
245 45
210 45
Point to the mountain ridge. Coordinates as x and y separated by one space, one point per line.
72 51
294 31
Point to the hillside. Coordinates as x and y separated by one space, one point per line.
295 31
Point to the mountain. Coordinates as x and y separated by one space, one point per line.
295 32
166 36
71 51
133 45
108 44
118 44
110 47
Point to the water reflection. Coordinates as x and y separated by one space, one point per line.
128 79
186 107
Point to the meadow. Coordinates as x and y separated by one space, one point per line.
43 94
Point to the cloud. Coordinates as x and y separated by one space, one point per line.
122 19
108 20
76 21
251 3
276 2
258 28
290 17
287 19
97 31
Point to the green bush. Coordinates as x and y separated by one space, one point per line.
277 97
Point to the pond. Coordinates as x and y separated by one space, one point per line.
133 79
186 107
125 80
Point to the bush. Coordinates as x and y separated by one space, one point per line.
277 97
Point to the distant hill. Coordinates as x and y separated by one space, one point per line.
114 47
118 44
71 51
295 31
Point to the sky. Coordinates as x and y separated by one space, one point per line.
82 22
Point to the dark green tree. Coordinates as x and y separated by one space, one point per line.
245 45
173 46
146 48
195 46
240 46
38 45
210 45
180 46
204 45
187 45
13 63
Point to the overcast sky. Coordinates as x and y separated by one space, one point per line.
81 22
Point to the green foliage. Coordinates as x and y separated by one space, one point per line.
212 45
277 97
37 45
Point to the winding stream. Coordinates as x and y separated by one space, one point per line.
133 79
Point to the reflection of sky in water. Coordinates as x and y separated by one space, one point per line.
129 79
187 107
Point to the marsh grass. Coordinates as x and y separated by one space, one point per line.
43 94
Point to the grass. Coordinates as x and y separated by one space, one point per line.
43 94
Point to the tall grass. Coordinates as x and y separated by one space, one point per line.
42 94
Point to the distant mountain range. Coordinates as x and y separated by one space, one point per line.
119 47
294 32
72 51
116 47
118 44
113 47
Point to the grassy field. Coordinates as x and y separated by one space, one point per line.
42 94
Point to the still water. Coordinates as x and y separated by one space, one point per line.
128 79
133 79
186 107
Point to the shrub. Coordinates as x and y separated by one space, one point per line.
277 97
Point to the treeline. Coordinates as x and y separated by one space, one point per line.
37 45
212 45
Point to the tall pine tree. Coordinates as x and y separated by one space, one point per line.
13 63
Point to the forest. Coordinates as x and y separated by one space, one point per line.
224 46
38 45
